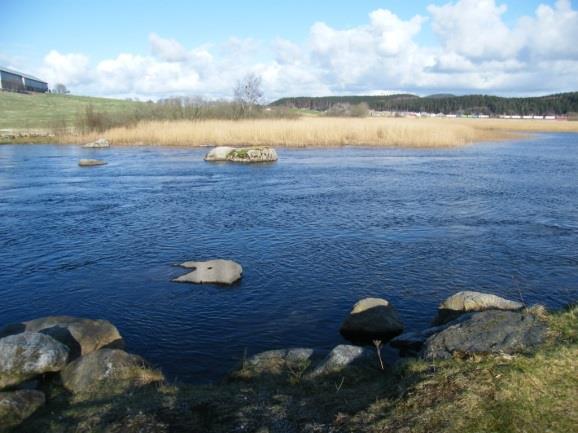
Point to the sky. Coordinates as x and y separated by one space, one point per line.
153 49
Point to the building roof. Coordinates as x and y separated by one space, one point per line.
30 77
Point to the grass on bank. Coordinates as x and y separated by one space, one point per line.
533 393
52 111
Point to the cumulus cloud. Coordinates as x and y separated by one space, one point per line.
70 69
476 50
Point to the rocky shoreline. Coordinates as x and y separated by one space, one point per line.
86 357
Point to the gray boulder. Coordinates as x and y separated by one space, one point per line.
16 406
100 143
284 356
26 355
81 336
372 319
211 272
109 371
492 331
341 357
253 154
91 162
242 154
467 301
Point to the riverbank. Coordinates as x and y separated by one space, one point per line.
533 392
323 132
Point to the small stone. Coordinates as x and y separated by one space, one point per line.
91 162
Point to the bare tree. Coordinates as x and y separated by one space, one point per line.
60 89
248 91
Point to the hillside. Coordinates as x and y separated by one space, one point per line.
559 104
23 111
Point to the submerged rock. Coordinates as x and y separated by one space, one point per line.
91 162
211 272
372 319
16 406
108 371
242 154
492 331
81 336
100 143
467 301
26 355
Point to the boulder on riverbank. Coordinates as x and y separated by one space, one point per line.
98 144
26 355
467 301
372 319
91 162
110 371
211 272
242 154
492 331
16 406
81 336
341 357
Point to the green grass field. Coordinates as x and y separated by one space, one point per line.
50 111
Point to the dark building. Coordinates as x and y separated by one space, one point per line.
18 82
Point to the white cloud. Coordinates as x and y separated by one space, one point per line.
167 49
477 50
474 29
70 69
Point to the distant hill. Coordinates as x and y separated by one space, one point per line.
562 103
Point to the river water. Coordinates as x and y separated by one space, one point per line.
315 232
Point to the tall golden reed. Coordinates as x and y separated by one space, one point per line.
322 132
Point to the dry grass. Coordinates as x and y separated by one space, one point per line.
322 132
303 132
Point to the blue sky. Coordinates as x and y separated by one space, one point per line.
154 49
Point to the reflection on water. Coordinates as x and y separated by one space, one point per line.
315 232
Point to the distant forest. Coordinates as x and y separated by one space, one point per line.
559 104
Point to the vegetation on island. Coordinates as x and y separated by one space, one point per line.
526 393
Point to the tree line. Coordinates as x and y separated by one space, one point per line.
557 104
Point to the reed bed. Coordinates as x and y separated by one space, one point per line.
321 132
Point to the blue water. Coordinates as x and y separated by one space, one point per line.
315 232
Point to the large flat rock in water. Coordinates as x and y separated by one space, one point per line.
492 331
242 154
98 144
468 301
29 354
211 272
